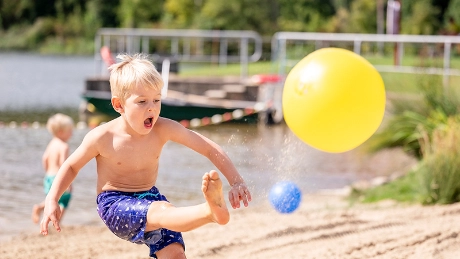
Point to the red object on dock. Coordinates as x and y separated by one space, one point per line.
107 56
266 78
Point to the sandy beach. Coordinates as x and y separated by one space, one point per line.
324 226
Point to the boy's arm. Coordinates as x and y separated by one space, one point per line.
66 174
199 143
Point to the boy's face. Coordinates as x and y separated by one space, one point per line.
142 108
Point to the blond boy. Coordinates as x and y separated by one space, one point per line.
57 151
127 151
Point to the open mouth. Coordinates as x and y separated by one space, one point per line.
148 123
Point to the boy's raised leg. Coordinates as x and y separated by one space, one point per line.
182 219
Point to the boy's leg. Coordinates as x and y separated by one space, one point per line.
62 212
37 211
182 219
172 251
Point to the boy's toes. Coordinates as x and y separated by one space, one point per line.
213 175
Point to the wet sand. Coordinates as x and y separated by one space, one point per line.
324 226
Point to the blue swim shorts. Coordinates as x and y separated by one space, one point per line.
125 214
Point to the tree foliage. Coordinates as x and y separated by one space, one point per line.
139 13
180 14
305 15
31 25
452 17
363 17
421 18
237 15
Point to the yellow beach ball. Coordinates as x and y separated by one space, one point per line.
333 100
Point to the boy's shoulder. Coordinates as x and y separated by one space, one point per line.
167 125
164 121
102 130
168 129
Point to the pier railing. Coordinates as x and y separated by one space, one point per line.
217 46
438 45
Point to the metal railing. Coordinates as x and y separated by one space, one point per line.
184 45
281 39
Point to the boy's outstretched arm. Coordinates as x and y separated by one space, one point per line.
239 191
52 211
65 176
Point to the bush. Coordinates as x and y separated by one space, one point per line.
440 168
436 105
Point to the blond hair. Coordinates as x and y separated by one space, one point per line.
132 71
59 122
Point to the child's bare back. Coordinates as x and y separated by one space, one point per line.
55 154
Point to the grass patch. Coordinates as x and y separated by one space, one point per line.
199 69
404 189
416 61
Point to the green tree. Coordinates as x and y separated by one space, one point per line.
180 14
30 25
363 17
257 15
15 12
106 12
452 16
92 21
339 22
140 13
419 17
341 4
305 15
442 6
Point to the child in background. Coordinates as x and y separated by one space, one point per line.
57 151
127 152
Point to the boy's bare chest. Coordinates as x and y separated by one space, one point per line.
134 152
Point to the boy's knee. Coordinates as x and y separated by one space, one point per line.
159 206
155 214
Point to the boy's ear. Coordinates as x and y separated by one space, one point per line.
116 104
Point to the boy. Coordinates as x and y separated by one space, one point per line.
127 151
57 151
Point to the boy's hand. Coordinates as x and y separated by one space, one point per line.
51 212
239 192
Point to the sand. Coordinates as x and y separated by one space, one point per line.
324 226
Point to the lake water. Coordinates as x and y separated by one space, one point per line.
37 81
263 155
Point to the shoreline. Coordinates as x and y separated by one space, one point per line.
324 226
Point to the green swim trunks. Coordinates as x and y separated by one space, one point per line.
65 198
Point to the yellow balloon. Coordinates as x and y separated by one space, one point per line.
333 100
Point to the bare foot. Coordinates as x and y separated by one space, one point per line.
36 212
212 190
